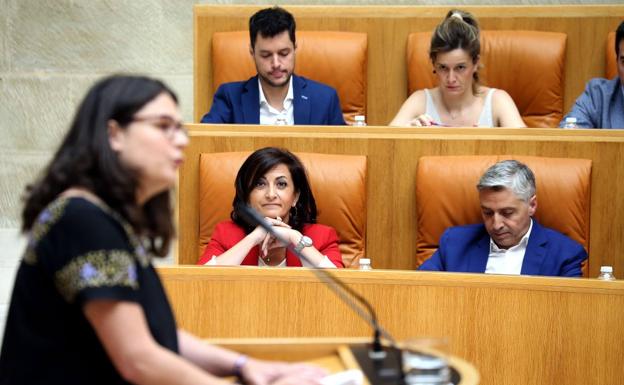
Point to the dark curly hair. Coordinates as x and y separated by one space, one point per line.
85 159
270 22
255 167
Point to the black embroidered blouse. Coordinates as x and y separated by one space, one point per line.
77 252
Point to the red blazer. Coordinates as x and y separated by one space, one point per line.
227 233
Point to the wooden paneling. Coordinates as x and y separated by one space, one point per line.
515 330
388 27
392 159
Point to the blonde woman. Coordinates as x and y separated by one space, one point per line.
459 100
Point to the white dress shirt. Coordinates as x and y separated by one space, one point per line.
507 261
270 115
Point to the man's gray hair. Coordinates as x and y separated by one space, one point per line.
512 175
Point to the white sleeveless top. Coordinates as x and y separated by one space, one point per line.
485 119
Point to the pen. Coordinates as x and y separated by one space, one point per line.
446 125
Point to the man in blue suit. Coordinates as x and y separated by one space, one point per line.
601 105
508 241
275 95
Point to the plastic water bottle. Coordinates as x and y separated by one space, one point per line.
606 273
570 122
360 120
365 264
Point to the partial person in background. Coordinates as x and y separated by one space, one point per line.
273 181
459 100
87 306
509 241
601 105
275 95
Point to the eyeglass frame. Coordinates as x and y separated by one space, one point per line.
172 128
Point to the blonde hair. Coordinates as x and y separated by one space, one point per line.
459 29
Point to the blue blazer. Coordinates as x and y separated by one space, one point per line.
466 249
238 102
601 105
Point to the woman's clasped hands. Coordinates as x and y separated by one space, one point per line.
269 242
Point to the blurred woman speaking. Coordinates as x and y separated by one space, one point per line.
273 181
87 306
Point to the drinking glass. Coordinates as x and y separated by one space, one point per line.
425 361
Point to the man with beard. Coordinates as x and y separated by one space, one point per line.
275 95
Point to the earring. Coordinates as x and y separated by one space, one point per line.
293 211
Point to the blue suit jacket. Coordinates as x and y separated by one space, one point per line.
601 105
238 102
466 249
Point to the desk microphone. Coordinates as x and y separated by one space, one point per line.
361 306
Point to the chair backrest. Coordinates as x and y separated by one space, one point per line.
338 183
529 65
338 59
446 195
610 59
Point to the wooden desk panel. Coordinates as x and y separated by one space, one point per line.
387 27
392 159
333 354
515 330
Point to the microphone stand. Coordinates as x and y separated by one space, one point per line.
362 307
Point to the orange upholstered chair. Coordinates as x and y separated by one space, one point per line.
446 195
610 59
529 65
338 183
338 59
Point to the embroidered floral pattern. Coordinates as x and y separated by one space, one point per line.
51 214
46 219
140 252
103 268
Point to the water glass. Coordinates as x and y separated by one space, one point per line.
425 361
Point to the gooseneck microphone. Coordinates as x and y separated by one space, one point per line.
362 307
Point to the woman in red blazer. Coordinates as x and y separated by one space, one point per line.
273 182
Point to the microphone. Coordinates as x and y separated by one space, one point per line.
361 307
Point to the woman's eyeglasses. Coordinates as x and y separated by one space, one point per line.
166 124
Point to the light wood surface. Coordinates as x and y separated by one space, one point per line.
514 330
388 27
329 353
392 159
332 353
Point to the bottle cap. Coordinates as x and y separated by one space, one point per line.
359 118
603 269
364 261
570 119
